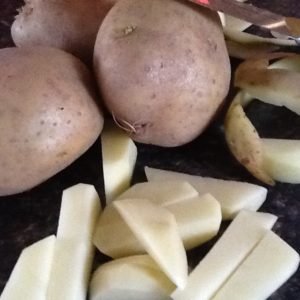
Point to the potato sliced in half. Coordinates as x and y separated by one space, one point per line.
198 220
244 141
30 276
156 229
273 85
80 209
282 159
165 193
119 155
134 278
74 251
233 196
270 265
243 234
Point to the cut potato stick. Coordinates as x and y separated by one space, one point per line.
282 159
119 155
156 229
134 278
233 196
70 271
243 234
270 264
80 209
244 51
30 276
74 251
244 141
233 23
162 194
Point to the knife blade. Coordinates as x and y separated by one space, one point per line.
286 26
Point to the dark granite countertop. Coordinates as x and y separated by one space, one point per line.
30 216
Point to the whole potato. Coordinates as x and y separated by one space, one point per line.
68 25
163 69
48 115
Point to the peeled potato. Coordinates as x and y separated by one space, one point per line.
49 115
68 25
163 69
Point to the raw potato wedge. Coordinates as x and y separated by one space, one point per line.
157 231
169 192
80 209
198 220
270 265
119 155
74 251
134 278
233 196
244 141
277 86
282 159
243 234
30 276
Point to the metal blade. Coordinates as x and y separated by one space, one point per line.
289 27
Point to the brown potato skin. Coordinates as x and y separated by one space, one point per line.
48 115
70 25
163 69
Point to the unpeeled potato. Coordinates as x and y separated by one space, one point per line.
48 115
163 69
68 25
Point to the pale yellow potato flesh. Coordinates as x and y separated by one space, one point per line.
30 276
74 250
157 230
282 159
79 212
171 191
133 277
271 264
198 220
233 196
119 155
244 141
243 234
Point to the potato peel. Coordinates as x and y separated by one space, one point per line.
272 85
244 141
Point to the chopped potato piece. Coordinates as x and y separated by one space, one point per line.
233 196
156 229
71 268
163 194
74 251
270 264
282 159
30 276
243 234
198 219
80 209
133 277
119 155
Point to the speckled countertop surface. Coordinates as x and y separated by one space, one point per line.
33 215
